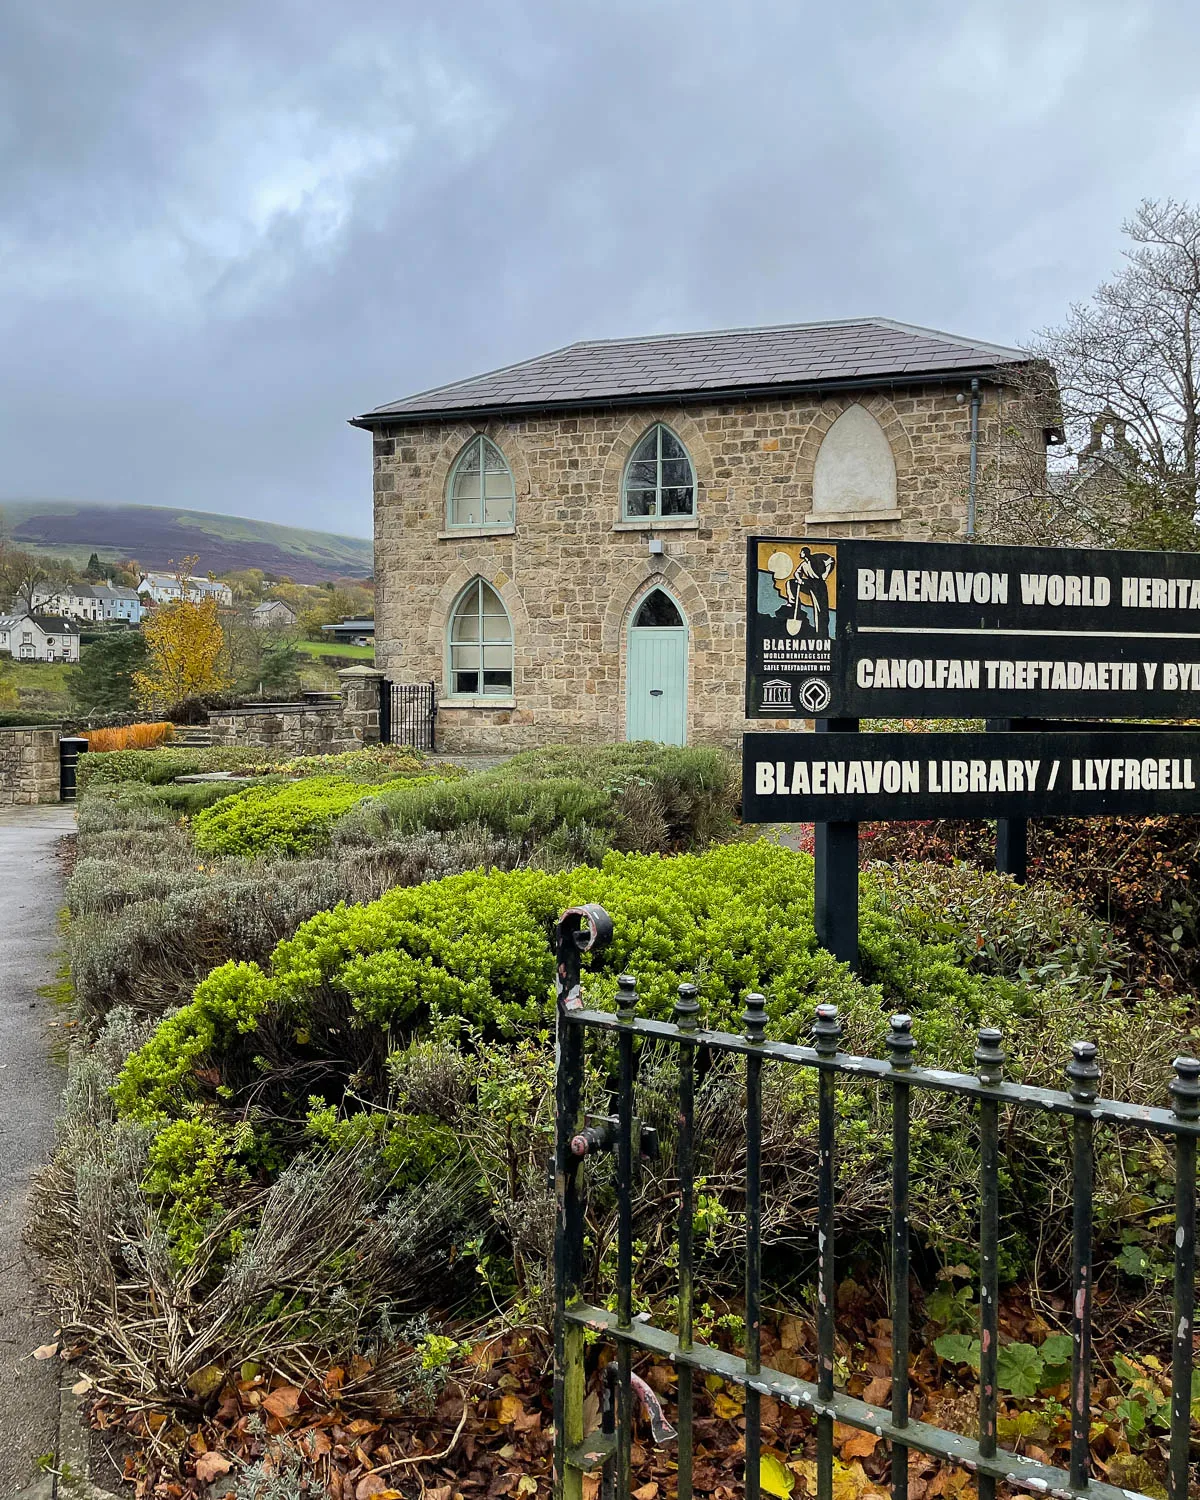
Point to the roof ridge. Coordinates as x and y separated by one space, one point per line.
708 333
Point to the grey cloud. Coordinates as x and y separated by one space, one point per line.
225 229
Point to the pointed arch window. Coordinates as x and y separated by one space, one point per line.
480 491
481 644
659 479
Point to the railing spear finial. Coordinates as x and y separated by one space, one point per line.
754 1017
827 1031
900 1042
1083 1072
989 1055
687 1007
627 997
1185 1088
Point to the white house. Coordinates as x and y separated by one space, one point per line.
90 602
164 588
29 637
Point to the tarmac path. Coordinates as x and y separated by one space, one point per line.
31 896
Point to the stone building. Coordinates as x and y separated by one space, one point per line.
560 544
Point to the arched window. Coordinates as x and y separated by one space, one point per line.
658 477
480 491
481 643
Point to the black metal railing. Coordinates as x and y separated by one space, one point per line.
586 928
407 713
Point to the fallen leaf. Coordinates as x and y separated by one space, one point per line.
510 1409
282 1402
206 1382
527 1485
879 1391
859 1445
773 1478
646 1491
81 1387
726 1407
370 1484
212 1466
47 1351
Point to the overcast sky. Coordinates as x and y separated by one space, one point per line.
225 228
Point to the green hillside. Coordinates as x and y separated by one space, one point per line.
156 535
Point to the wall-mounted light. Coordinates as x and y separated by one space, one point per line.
656 546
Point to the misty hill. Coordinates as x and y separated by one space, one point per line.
155 535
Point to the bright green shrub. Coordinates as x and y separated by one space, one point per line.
230 1001
294 818
192 1163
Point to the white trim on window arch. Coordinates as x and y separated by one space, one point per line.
659 479
479 644
480 489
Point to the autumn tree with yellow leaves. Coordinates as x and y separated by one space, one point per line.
184 645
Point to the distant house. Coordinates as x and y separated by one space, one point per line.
352 632
93 602
118 603
272 614
29 637
164 588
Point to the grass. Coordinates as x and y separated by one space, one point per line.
333 648
40 684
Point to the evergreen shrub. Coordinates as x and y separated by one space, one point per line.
294 818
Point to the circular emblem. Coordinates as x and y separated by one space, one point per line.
814 695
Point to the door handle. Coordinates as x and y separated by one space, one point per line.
656 692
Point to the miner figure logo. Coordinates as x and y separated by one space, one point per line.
805 583
814 695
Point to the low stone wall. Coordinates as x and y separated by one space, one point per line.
29 765
310 727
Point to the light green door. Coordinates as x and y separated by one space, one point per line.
656 673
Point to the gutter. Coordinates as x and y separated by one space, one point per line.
690 396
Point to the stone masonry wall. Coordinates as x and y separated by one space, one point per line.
29 765
571 572
307 728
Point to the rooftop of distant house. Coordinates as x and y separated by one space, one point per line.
722 364
51 624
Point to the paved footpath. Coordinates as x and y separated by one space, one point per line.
31 896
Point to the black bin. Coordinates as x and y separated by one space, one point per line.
70 748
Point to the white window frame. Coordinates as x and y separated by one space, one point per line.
657 513
472 597
482 445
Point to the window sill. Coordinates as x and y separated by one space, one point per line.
659 523
482 700
838 517
466 533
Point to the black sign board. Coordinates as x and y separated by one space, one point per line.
869 629
853 778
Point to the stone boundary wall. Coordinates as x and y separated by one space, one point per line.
29 765
313 727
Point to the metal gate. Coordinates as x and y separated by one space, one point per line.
588 928
407 713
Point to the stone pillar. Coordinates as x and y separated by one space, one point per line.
360 702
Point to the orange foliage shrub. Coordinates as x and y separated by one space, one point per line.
129 737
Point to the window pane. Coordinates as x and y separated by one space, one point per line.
647 448
498 512
671 446
493 459
498 682
469 462
495 628
466 625
466 682
658 610
490 601
498 484
677 502
676 471
465 656
639 502
642 476
498 656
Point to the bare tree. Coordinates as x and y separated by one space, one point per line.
1128 367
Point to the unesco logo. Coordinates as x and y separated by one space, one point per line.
814 695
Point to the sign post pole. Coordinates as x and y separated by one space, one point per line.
1012 834
835 851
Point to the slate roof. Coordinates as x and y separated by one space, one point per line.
704 365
